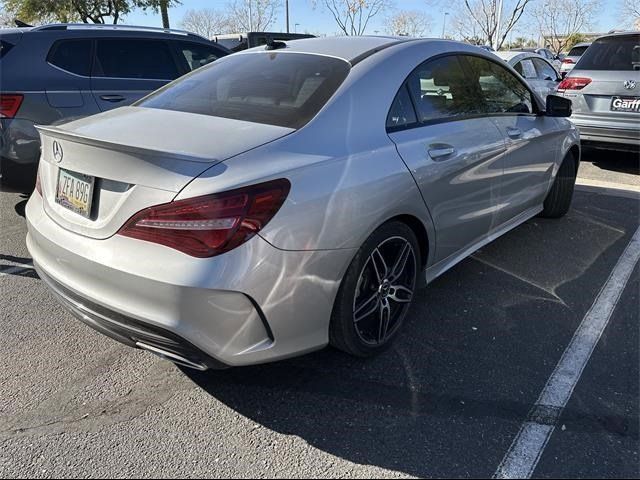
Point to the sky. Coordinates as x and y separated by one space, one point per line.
320 21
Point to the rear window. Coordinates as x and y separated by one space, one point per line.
612 53
5 47
283 89
72 56
577 51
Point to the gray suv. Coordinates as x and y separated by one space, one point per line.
604 87
55 73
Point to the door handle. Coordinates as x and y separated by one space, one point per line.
440 151
112 98
514 132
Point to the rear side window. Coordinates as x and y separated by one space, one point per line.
401 113
577 51
197 55
501 90
526 69
5 47
440 89
284 89
620 53
72 56
134 58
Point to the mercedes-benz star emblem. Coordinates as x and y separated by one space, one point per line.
629 84
57 151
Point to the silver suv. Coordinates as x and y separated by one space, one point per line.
54 73
604 87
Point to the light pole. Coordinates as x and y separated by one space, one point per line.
498 25
295 28
444 22
286 8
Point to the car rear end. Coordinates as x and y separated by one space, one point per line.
604 87
572 58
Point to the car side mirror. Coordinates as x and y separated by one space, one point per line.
558 106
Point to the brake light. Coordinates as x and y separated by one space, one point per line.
210 225
9 104
567 60
574 83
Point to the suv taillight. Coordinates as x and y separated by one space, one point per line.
573 83
210 225
9 104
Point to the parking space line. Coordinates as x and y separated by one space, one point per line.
524 453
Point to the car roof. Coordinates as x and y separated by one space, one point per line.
582 44
349 48
108 29
513 54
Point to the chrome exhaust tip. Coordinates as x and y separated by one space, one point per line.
172 357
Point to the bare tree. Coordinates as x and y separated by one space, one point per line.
252 15
559 21
207 22
353 16
479 19
630 13
408 22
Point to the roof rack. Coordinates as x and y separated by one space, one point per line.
104 26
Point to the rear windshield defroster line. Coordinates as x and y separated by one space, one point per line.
279 88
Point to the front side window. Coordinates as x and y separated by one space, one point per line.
71 55
197 55
621 53
134 58
502 92
276 88
440 89
544 70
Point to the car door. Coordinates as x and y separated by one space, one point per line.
453 152
126 69
547 78
532 139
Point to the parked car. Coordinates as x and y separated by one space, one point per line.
288 197
572 58
237 42
53 73
537 70
546 53
604 87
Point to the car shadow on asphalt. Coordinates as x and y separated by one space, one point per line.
614 161
448 398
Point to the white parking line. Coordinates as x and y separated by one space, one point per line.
526 449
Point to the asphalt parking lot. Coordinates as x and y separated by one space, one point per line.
447 400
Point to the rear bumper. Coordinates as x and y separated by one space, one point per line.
595 131
254 304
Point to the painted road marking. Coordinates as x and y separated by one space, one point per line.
522 457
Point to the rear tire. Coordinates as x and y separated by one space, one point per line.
376 292
559 198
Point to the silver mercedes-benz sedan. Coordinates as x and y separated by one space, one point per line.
290 196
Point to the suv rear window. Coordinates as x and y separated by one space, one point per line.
577 51
284 89
72 56
612 53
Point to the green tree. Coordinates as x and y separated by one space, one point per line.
158 6
574 39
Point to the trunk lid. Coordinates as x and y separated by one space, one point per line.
139 157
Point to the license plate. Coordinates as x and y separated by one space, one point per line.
75 191
625 104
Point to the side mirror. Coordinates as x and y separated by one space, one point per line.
558 106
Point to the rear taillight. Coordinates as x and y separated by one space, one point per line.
574 83
210 225
9 104
567 60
